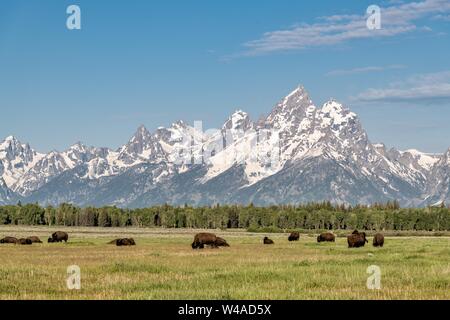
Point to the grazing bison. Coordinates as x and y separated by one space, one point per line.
203 239
9 240
378 240
59 236
357 240
125 242
34 239
326 237
295 236
24 242
268 241
221 242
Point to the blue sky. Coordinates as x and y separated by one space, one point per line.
156 62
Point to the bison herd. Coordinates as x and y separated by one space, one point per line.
55 237
23 241
355 240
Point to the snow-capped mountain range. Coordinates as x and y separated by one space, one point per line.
298 153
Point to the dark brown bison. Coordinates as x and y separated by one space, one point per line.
34 239
357 240
326 237
59 236
220 242
24 242
295 236
378 240
9 240
204 239
268 241
125 242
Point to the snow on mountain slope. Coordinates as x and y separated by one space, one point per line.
6 195
299 152
53 164
16 159
302 131
438 189
421 160
413 159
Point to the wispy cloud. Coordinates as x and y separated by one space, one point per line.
442 17
429 88
336 29
364 70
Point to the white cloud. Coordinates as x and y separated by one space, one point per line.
442 17
364 70
429 87
336 29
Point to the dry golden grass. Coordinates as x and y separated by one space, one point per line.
163 266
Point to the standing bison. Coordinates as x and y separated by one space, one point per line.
58 236
295 236
357 239
9 240
268 241
326 237
204 239
378 240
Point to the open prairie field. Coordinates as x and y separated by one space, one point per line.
163 266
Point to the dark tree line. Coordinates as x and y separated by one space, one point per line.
313 216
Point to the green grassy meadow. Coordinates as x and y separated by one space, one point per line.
163 266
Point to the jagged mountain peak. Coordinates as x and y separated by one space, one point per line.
446 158
141 133
298 94
333 106
78 146
11 143
179 124
324 152
239 120
291 109
337 112
16 159
10 139
138 142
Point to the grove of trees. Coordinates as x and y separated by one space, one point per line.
312 216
